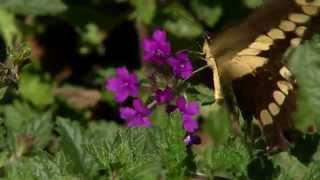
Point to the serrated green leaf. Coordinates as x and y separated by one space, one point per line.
21 121
144 10
33 7
38 167
130 155
228 160
207 11
72 140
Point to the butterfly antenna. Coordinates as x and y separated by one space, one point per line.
195 52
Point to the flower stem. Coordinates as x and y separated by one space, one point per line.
152 104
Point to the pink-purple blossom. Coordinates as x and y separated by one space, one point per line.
181 65
164 96
189 111
123 84
136 116
157 49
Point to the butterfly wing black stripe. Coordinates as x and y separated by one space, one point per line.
254 94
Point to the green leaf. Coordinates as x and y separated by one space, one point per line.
38 92
207 11
181 23
72 141
217 123
228 160
291 168
144 10
22 122
38 167
3 92
171 147
8 27
33 7
253 3
203 94
129 155
305 64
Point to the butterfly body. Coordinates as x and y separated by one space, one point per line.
248 69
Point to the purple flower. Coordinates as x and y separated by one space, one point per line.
164 96
137 115
157 48
191 139
123 84
188 110
181 65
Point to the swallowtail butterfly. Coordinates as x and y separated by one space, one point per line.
248 68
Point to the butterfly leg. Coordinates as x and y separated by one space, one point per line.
218 95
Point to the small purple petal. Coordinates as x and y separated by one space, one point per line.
192 108
189 124
121 95
181 65
157 49
137 115
188 110
140 108
127 113
122 72
164 96
181 103
123 84
113 84
159 35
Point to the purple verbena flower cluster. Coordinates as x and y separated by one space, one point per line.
124 85
157 50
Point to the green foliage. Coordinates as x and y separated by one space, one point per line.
229 160
144 10
72 140
8 27
140 153
217 124
304 62
33 7
181 22
37 91
207 11
38 167
27 127
35 144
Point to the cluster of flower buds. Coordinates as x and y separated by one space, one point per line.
157 52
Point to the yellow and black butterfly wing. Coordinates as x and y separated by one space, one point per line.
264 88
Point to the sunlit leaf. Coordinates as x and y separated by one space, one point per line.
33 7
144 10
207 11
